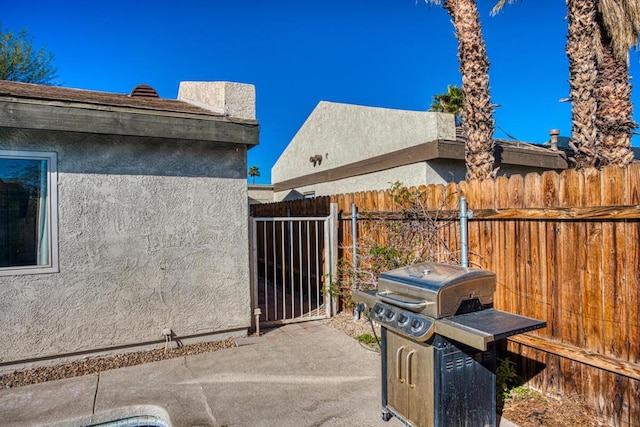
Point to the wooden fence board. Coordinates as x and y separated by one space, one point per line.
632 250
632 274
570 257
504 297
634 403
486 244
591 280
536 259
451 197
611 180
472 193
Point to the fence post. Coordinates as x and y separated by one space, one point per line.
332 301
354 253
464 236
253 267
354 243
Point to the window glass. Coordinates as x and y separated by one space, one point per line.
26 212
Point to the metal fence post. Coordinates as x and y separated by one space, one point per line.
354 238
465 215
332 302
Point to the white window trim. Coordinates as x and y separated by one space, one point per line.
52 193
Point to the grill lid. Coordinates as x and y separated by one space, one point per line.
432 277
436 290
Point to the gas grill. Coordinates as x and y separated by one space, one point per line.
438 330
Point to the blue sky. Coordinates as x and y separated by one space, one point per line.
383 53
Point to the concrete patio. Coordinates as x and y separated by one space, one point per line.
298 375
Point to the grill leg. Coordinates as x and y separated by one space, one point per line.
386 415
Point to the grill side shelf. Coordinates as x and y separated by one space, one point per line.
479 328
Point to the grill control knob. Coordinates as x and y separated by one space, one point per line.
378 310
402 319
416 324
389 314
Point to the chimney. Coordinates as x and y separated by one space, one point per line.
554 138
236 100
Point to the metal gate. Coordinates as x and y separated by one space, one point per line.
291 268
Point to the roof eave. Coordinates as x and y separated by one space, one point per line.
432 150
39 115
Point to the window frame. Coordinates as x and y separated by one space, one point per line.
52 209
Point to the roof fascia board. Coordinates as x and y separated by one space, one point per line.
72 118
432 150
410 155
519 156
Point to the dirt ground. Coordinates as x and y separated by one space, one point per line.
528 409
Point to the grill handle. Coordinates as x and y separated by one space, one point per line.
398 364
407 305
410 369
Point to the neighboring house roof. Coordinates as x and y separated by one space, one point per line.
24 105
352 140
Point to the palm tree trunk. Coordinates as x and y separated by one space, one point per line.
582 79
614 115
477 113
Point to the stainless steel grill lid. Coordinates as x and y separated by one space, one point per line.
436 290
454 301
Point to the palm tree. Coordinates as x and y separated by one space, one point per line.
477 112
451 102
253 172
600 93
580 50
618 30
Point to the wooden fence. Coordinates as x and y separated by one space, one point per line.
566 249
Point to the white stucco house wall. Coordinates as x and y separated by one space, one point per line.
122 216
344 148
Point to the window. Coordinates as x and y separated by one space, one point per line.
309 195
28 213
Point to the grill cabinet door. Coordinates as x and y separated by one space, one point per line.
420 376
409 379
397 395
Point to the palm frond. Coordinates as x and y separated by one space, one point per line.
621 22
498 7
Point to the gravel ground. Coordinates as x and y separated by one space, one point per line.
354 328
97 364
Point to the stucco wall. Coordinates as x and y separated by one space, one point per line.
343 134
153 234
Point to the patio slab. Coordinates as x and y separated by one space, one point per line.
70 400
301 375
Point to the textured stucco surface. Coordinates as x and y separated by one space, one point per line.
232 99
343 134
153 234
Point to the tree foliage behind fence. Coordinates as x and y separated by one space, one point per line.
565 248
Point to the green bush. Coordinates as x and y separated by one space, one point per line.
366 338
